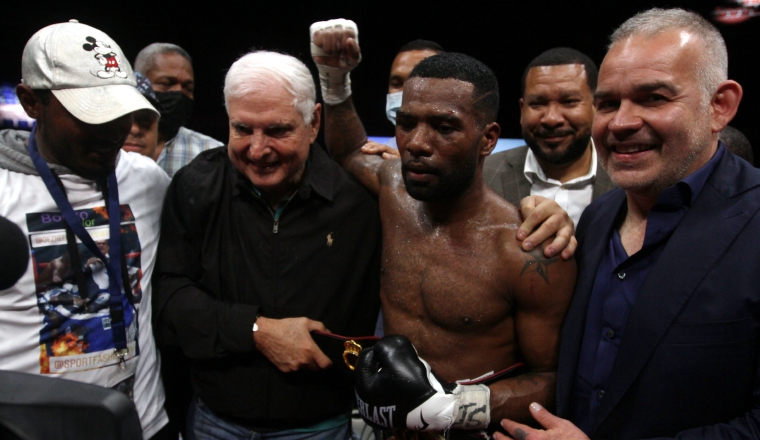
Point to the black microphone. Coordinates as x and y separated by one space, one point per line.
14 253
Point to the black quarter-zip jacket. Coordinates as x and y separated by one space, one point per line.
223 259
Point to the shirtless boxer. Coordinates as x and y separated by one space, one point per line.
455 280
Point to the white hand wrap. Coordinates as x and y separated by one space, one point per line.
335 81
473 407
467 407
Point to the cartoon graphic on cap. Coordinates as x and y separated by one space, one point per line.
105 57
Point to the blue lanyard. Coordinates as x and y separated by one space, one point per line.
116 305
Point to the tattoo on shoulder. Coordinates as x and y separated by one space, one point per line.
536 262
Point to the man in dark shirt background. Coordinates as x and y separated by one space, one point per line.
263 242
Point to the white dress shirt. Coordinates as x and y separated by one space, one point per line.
573 196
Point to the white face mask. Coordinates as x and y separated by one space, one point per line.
392 104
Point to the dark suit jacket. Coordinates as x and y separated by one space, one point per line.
688 362
503 172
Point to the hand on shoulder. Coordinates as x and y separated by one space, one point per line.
543 219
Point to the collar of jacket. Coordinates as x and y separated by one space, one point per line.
319 176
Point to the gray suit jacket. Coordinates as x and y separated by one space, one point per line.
503 172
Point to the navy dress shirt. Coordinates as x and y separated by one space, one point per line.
617 284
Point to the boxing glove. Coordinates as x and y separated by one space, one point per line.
334 81
397 389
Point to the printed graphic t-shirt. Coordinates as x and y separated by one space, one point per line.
58 325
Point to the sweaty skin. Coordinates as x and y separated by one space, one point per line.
454 278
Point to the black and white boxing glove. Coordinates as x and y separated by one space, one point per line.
397 389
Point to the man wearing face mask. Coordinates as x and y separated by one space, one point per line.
406 59
170 70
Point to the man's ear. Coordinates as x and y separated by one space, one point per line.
491 134
316 119
724 104
29 101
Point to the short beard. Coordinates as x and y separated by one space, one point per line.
573 152
449 186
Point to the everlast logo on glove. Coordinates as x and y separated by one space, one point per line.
397 389
379 415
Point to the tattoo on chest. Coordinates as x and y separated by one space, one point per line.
536 262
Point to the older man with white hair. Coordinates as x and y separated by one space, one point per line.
661 338
264 241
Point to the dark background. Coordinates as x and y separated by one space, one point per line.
505 35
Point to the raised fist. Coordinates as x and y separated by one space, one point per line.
335 50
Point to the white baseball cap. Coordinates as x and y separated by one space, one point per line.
85 69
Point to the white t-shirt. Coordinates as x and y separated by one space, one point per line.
47 326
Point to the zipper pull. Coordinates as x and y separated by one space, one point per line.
276 226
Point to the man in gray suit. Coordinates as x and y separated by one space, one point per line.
556 111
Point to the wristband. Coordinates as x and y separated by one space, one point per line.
335 84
